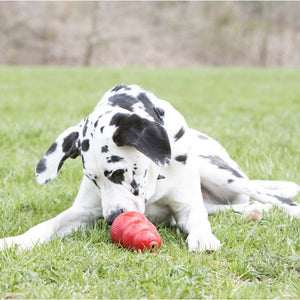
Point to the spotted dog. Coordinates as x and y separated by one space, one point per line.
138 154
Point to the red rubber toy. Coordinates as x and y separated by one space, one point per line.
133 230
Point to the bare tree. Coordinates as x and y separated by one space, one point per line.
93 38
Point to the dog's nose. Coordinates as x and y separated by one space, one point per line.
113 215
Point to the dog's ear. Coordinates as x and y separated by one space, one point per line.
65 146
146 136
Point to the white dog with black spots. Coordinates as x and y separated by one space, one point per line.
138 154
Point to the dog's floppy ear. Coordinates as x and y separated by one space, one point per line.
65 146
146 136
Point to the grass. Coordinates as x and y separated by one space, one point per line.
254 113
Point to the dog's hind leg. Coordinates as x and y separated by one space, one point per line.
226 184
268 197
248 209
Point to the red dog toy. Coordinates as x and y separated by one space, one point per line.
133 230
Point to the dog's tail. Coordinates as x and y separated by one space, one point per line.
277 193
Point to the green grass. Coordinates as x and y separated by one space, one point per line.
254 113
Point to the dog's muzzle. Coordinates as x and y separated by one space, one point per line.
109 220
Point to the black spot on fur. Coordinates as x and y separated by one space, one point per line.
134 185
124 101
101 129
41 166
181 158
127 102
179 134
106 173
70 148
96 123
284 200
83 161
119 87
61 163
114 159
69 142
94 180
116 176
85 127
221 164
203 137
150 108
51 149
104 149
85 145
160 177
230 180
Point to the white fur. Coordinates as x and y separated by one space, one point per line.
185 193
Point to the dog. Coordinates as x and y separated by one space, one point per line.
138 154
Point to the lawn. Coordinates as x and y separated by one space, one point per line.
254 113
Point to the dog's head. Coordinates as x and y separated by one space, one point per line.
121 153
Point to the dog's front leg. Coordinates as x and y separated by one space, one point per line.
191 216
86 209
200 236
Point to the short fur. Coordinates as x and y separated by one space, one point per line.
139 154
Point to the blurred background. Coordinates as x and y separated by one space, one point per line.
150 33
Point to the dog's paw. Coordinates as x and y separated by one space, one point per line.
6 243
17 241
2 244
202 243
254 211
